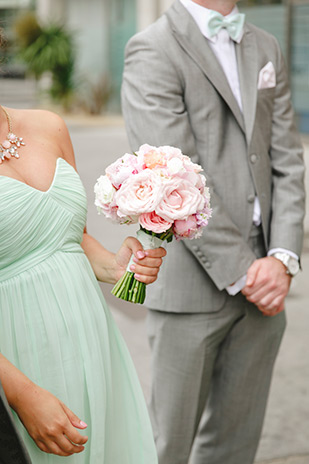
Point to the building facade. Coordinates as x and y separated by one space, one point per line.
288 21
102 28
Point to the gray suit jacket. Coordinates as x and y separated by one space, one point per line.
176 93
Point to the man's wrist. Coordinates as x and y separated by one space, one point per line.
291 264
237 286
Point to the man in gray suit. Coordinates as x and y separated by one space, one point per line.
203 80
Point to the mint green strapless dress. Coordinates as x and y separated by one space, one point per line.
55 325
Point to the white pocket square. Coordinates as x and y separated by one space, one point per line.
267 77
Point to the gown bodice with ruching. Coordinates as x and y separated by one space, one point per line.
55 325
35 224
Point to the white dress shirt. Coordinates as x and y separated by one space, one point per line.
224 49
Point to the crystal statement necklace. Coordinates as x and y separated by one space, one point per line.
9 147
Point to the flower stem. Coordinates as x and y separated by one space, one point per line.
130 289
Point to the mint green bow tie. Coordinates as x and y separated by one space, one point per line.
233 24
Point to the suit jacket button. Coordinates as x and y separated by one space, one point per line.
251 198
204 259
207 264
253 158
195 248
199 254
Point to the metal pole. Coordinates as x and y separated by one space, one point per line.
289 34
158 8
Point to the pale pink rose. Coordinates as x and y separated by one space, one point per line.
145 148
195 179
139 194
186 228
175 166
122 169
201 185
180 200
190 166
153 222
126 219
110 212
171 152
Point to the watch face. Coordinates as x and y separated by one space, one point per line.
293 266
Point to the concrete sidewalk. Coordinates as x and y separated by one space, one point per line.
291 460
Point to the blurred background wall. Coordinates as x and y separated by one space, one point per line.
100 29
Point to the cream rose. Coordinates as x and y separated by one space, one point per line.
104 191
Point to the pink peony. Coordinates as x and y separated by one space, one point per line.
180 200
122 169
153 159
190 166
175 153
145 148
186 228
153 222
139 194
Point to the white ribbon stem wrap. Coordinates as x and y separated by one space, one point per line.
149 242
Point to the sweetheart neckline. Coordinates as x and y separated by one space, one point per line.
44 192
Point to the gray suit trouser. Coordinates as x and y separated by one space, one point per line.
211 378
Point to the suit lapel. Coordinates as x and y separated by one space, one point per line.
196 45
246 53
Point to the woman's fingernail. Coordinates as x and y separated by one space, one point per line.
83 424
140 254
132 267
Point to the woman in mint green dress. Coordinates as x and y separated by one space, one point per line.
60 349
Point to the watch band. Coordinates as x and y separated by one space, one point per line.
291 264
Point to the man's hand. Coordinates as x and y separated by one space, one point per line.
267 285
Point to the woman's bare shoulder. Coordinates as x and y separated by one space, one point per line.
41 121
44 118
43 124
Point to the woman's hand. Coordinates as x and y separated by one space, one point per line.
49 422
146 263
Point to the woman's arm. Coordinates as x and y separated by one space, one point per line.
109 267
48 421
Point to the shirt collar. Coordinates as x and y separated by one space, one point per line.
200 14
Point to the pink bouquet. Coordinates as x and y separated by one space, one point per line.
163 191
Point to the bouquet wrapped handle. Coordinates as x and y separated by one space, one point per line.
128 288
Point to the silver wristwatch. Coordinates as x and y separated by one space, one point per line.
291 264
